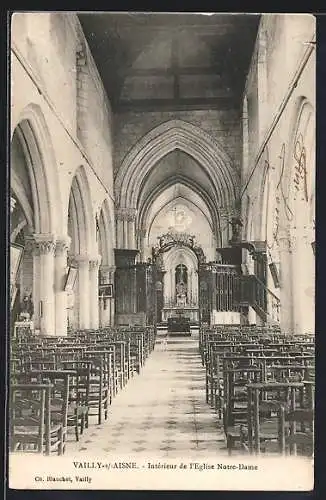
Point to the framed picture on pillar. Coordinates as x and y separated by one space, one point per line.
71 279
274 269
16 254
106 291
13 294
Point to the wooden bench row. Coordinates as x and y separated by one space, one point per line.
57 383
262 388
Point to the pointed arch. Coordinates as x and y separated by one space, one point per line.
107 234
180 254
192 186
171 135
82 221
34 136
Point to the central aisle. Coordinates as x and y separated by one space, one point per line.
161 412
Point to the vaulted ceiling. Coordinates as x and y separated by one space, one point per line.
177 61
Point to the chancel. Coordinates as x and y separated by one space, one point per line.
162 236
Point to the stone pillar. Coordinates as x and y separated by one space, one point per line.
286 312
166 287
94 264
132 227
245 139
43 286
303 282
119 231
141 242
32 249
107 304
126 227
195 288
82 262
60 264
190 287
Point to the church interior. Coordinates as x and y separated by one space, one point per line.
162 234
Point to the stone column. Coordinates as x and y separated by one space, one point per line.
94 264
166 287
126 227
190 287
82 262
43 263
303 282
195 288
141 237
245 138
31 249
131 218
286 312
108 304
119 230
60 263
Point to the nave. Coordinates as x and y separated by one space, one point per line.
160 414
168 186
232 390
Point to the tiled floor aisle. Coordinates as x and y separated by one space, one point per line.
162 411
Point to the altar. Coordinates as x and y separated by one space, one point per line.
190 312
180 287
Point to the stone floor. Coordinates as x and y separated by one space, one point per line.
160 412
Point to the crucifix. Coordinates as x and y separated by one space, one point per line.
174 211
182 269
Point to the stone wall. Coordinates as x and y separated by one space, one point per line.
222 125
58 96
45 50
284 66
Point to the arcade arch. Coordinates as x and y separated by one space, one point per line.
36 218
83 255
174 135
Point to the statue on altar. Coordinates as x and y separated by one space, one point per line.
181 279
181 294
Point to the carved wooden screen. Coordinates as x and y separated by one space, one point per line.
159 286
226 288
135 291
205 298
125 290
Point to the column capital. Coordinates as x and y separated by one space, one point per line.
126 213
94 262
41 244
79 260
226 212
107 268
62 244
